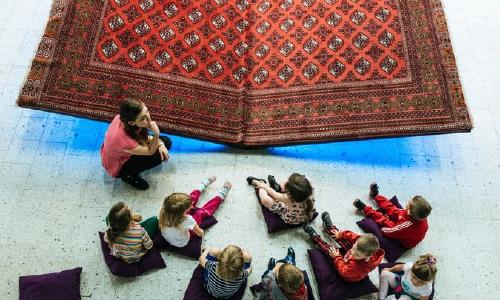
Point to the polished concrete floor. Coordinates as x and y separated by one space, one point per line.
54 193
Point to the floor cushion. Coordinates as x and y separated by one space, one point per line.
196 288
192 249
151 260
389 265
393 249
273 222
330 285
64 285
256 288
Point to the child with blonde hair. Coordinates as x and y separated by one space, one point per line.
127 239
408 225
415 283
294 205
180 218
358 254
225 270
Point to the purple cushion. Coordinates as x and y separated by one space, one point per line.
256 288
389 265
151 260
393 249
64 285
196 288
330 285
273 222
193 248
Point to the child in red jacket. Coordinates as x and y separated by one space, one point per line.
358 255
408 225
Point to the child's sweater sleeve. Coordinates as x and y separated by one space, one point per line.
398 230
146 240
349 236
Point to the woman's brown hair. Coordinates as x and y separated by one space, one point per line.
300 190
129 110
230 263
119 219
172 211
425 267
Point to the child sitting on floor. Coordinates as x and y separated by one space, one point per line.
406 225
225 271
283 280
415 283
358 255
179 215
295 205
127 239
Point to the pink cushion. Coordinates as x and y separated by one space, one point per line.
273 222
256 288
151 260
64 285
389 265
196 288
192 249
393 249
330 285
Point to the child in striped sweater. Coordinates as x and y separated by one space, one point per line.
127 239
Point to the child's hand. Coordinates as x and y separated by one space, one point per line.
333 252
137 218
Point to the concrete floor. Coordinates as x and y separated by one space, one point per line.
54 193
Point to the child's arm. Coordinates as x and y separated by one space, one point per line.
215 252
395 268
146 240
424 298
248 259
198 231
203 257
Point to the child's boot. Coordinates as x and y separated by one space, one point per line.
290 256
373 190
311 232
359 204
328 226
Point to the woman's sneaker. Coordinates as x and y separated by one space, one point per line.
136 181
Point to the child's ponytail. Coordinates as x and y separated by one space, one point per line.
425 267
119 218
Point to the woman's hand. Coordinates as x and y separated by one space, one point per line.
154 128
163 152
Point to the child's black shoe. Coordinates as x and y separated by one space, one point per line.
291 253
327 222
274 184
251 178
373 190
136 181
271 264
359 204
310 231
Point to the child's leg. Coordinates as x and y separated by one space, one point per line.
195 194
386 279
385 204
265 199
345 244
379 218
212 205
322 244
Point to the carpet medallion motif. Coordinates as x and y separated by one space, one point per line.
254 72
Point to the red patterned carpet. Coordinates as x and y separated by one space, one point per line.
254 72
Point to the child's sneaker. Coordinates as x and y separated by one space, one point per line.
373 190
225 190
310 231
327 222
274 184
250 180
359 204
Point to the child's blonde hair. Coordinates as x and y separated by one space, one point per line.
425 267
290 278
419 208
230 263
173 209
367 244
